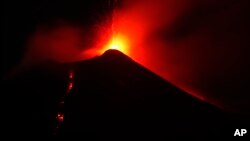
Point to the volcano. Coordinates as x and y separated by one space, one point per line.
111 96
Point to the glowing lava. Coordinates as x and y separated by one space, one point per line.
118 42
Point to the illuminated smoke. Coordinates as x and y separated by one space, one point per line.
201 46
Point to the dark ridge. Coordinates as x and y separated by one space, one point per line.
113 52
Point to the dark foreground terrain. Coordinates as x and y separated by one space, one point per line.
112 97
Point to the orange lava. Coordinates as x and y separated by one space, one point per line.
118 42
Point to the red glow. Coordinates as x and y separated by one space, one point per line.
71 74
60 117
147 31
62 43
70 85
135 26
130 33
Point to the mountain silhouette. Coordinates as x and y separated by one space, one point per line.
112 97
115 97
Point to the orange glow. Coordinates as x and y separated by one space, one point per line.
111 40
118 42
